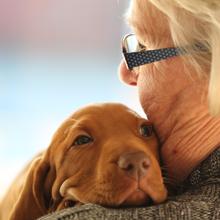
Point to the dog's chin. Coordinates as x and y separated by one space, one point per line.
136 198
145 196
133 195
143 193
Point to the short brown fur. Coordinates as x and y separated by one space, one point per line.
87 173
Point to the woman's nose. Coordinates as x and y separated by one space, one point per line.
127 76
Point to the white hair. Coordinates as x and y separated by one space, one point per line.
193 21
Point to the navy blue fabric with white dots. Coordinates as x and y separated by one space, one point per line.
135 59
149 56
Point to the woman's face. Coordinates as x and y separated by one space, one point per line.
158 83
172 94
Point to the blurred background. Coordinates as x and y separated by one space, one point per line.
55 56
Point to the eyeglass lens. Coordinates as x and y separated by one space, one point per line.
131 44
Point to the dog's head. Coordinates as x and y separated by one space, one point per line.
104 154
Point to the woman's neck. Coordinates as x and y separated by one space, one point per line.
187 132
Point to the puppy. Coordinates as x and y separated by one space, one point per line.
104 154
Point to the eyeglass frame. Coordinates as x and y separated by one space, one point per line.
139 58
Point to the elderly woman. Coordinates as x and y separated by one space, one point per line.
173 59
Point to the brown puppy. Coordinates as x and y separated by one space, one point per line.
104 154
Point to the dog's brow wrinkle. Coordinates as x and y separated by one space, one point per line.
69 127
66 130
73 119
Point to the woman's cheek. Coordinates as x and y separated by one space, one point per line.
145 91
147 84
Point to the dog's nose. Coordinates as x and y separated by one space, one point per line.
134 164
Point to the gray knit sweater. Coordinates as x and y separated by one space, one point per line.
199 199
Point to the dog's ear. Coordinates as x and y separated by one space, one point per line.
43 178
34 200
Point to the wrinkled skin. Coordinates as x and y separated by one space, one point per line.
174 97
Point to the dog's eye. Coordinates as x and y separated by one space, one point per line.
82 139
146 130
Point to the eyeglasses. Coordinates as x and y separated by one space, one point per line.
136 54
